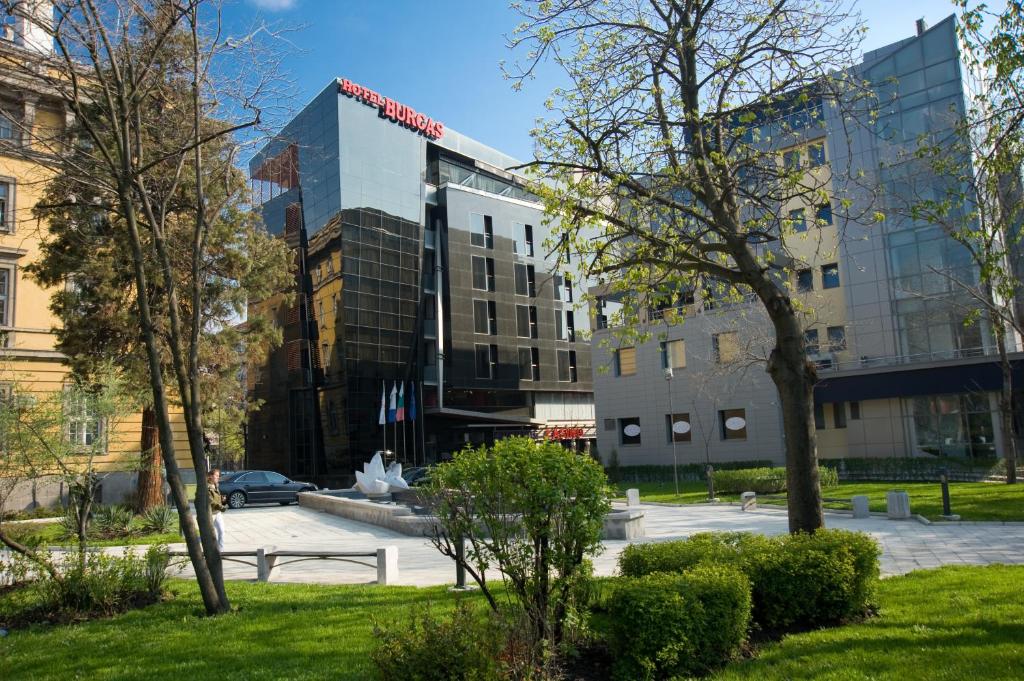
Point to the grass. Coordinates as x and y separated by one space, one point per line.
50 534
950 623
970 500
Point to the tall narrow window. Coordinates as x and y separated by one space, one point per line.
563 365
535 360
819 416
559 332
811 341
6 127
797 219
492 318
6 219
479 273
816 154
568 288
492 356
528 229
533 322
830 276
483 360
84 428
855 411
488 232
625 361
525 364
522 321
490 274
839 414
481 230
5 297
479 316
570 326
531 280
522 289
573 374
836 338
556 286
325 356
804 280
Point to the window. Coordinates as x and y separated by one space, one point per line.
531 280
525 364
570 326
492 318
811 341
479 273
6 127
836 338
319 273
486 360
839 414
320 311
325 356
522 287
629 431
557 286
535 360
824 214
573 375
609 424
563 365
559 332
819 416
804 280
830 276
855 411
677 428
725 346
481 230
816 154
523 321
5 296
6 214
625 361
490 273
482 319
523 243
797 220
791 159
733 423
83 427
673 354
533 322
567 281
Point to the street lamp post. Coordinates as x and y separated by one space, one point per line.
672 429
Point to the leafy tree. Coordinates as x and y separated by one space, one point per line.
158 92
663 168
532 510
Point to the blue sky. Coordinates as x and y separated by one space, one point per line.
442 57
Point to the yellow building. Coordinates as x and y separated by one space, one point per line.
29 359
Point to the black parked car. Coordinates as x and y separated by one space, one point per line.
260 487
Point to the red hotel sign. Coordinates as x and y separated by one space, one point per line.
396 111
563 433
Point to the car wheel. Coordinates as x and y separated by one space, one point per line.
236 499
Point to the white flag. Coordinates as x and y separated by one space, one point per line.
383 415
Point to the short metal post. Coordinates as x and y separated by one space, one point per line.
944 479
460 567
710 472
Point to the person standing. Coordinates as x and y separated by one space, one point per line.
216 505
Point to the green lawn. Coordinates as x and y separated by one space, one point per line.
971 500
50 535
951 623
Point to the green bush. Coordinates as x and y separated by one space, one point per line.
764 480
690 471
464 646
797 581
159 520
110 522
663 625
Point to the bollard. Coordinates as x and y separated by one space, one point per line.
710 472
947 511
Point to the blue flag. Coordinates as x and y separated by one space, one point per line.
412 401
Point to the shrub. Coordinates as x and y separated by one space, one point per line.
797 581
159 520
112 521
689 471
764 480
663 625
463 646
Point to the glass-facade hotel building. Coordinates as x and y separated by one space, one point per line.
419 261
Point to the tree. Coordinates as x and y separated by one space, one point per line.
662 160
534 511
60 434
980 203
157 92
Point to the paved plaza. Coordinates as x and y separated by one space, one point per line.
906 544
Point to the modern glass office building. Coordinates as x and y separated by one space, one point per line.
419 264
901 372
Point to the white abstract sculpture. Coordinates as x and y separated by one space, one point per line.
373 479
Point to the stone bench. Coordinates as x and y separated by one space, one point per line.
266 559
627 524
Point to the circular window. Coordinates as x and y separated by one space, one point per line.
681 427
632 430
735 423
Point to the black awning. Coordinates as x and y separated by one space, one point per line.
955 378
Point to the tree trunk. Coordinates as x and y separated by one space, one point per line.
1006 409
149 491
794 378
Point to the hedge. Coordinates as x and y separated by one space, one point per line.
667 625
916 468
797 581
690 471
764 480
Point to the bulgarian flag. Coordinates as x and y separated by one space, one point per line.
400 414
391 404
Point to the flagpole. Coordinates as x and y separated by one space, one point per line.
413 392
384 424
423 415
394 429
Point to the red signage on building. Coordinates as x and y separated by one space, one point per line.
396 111
563 433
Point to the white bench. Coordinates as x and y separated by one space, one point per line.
266 558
